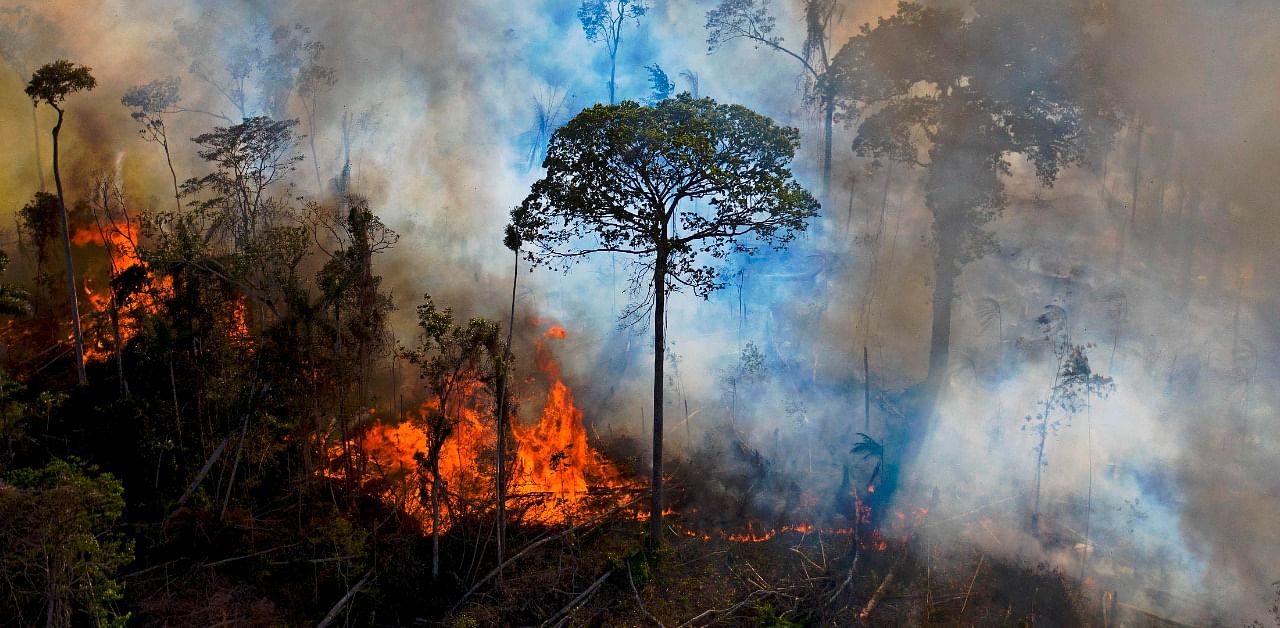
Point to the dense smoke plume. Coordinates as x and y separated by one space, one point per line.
1159 256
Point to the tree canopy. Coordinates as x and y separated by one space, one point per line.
622 178
53 82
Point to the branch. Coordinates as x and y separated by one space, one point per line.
346 599
712 613
535 545
640 603
582 597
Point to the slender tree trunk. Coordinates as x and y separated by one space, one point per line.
828 118
66 249
311 139
1088 500
35 129
118 345
1127 232
613 68
659 357
503 375
177 195
866 391
1044 437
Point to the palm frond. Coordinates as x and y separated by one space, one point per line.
988 311
868 447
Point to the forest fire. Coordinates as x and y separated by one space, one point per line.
555 469
116 308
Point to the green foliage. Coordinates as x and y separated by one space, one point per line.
14 301
57 549
621 178
766 616
53 82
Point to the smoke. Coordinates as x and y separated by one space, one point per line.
1184 489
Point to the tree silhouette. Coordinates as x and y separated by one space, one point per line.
51 84
623 178
250 158
958 95
750 20
602 22
150 104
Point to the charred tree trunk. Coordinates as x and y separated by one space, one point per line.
72 298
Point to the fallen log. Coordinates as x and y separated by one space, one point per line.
346 599
563 613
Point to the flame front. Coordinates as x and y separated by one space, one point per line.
120 241
552 476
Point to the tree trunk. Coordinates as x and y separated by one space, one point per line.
828 118
177 195
905 439
435 517
659 357
503 376
940 333
71 270
311 139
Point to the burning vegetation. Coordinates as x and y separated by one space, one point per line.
971 327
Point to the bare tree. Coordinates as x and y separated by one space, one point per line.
602 22
150 104
751 20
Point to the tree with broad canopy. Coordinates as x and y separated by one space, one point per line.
626 179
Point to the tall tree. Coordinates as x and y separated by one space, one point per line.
623 178
958 96
150 104
250 158
750 20
52 83
602 22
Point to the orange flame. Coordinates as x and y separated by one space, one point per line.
551 477
121 244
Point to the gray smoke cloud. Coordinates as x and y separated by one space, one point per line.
1184 489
